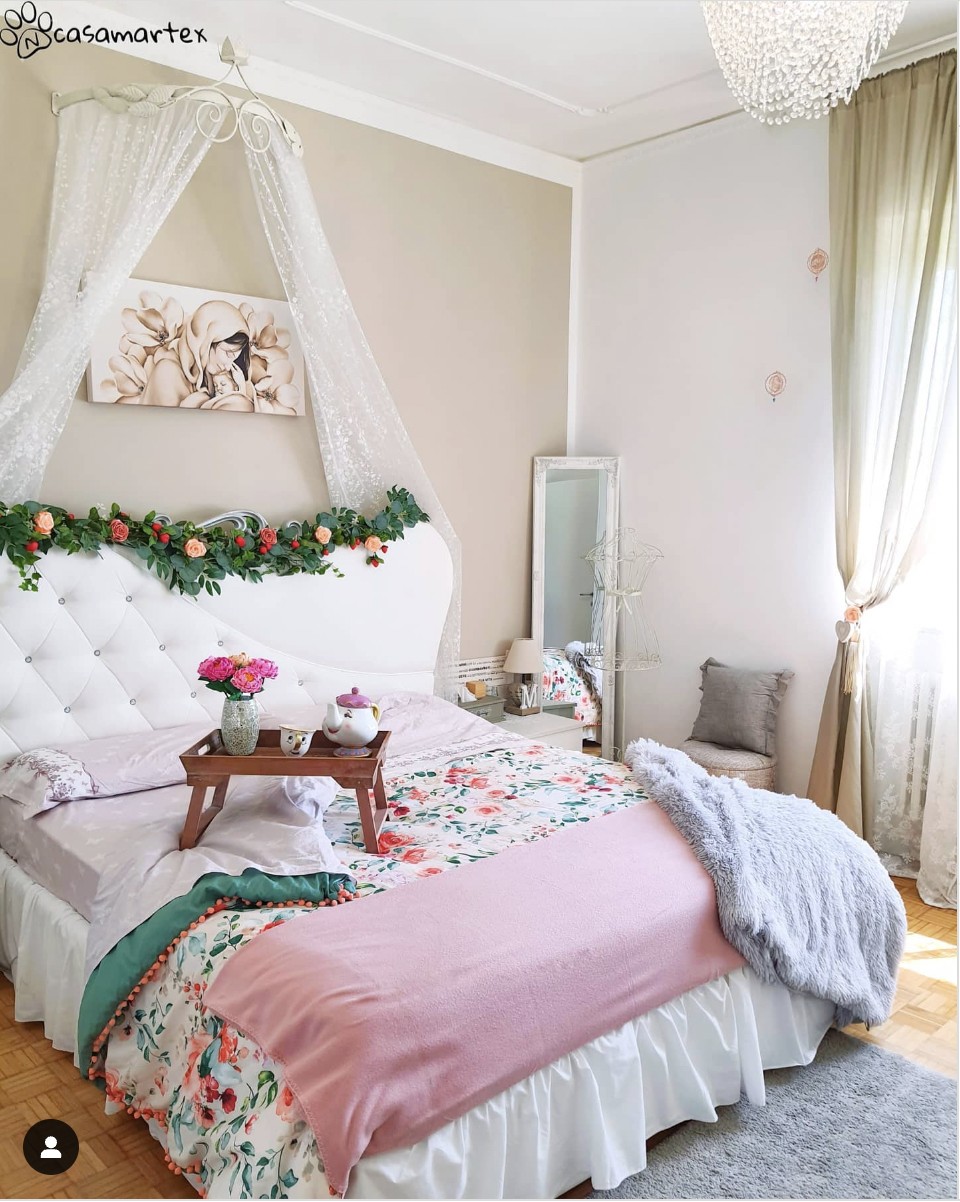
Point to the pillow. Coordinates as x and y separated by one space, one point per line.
41 779
739 707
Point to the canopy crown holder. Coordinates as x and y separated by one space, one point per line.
219 115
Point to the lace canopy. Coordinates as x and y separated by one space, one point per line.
124 158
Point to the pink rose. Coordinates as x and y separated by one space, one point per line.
193 548
413 855
287 1107
268 536
491 809
431 871
373 544
390 839
43 522
322 534
851 614
246 681
118 531
264 667
216 668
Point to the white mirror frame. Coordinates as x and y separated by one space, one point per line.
611 465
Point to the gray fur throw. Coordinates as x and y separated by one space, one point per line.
803 899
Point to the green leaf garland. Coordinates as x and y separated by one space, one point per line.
191 558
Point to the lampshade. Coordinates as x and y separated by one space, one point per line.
524 657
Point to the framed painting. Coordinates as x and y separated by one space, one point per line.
192 348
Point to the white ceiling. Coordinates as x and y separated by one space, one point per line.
650 61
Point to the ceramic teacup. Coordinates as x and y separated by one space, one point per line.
294 740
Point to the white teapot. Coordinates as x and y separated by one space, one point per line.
352 721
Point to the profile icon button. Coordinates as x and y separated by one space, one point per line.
51 1146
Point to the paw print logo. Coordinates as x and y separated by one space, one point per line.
27 29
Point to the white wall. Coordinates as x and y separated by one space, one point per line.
694 288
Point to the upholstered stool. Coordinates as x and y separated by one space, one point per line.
751 767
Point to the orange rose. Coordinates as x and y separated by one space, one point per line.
373 544
240 660
322 534
268 536
193 548
119 531
43 522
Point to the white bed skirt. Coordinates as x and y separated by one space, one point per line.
587 1115
42 946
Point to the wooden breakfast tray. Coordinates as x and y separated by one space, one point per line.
209 766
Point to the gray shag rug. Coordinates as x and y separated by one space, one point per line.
858 1122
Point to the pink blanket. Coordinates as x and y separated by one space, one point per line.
397 1014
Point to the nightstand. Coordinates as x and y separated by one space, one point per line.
488 707
547 728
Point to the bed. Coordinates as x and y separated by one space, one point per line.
568 680
104 649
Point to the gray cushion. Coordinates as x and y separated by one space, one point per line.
739 707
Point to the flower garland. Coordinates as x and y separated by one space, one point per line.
193 558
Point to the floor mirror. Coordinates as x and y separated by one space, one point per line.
575 510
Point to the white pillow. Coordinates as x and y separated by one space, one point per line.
43 778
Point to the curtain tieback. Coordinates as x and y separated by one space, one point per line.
848 634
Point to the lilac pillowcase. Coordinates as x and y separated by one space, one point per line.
43 778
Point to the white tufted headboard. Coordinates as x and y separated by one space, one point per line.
106 648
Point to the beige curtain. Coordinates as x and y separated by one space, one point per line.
893 233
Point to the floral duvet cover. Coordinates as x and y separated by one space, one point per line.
211 1096
562 682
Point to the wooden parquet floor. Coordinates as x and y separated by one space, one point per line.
118 1158
923 1026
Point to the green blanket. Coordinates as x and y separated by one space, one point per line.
114 978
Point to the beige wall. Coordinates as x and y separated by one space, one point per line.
459 272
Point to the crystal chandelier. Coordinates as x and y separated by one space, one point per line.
798 58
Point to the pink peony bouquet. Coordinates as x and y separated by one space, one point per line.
239 676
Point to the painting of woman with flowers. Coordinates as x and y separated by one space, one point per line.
187 348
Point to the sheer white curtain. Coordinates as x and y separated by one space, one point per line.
893 224
911 685
363 442
117 176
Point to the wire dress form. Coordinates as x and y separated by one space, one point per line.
621 565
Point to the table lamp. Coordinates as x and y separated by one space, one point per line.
524 659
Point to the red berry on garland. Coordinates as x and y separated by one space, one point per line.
263 549
294 543
376 562
31 546
384 549
326 550
164 538
70 517
240 541
156 527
